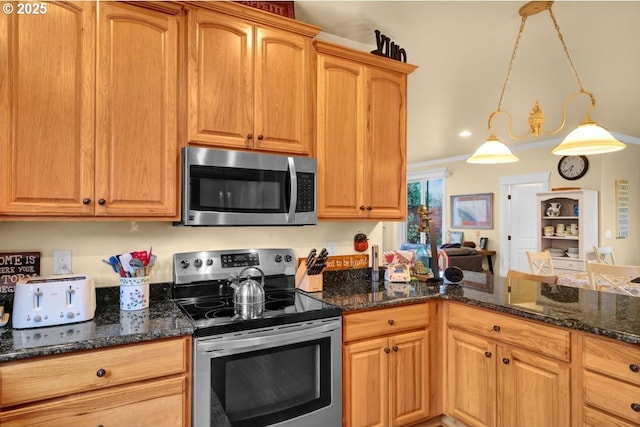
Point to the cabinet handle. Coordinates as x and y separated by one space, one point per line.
391 322
635 407
369 208
260 137
505 361
634 367
101 202
487 354
496 328
250 136
101 372
361 208
395 348
86 201
386 350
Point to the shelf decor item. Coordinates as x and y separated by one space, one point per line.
472 211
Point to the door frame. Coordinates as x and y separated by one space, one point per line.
505 183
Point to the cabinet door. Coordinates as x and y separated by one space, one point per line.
366 383
385 153
341 132
136 136
220 84
284 92
46 110
471 379
533 390
409 377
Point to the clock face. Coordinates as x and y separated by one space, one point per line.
573 167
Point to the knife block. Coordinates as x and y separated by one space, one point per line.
306 282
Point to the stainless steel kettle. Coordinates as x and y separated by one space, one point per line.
248 296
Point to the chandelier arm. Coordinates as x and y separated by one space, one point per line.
566 50
509 121
592 104
513 57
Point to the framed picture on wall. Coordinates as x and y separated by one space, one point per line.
483 243
472 211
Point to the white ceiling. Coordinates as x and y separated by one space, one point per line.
462 49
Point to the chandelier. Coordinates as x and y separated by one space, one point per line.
587 138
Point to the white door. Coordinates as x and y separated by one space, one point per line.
518 219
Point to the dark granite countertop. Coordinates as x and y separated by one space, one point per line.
110 326
602 313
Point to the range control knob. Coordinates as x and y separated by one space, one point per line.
184 263
278 258
197 263
288 258
210 261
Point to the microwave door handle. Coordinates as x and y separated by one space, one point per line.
294 190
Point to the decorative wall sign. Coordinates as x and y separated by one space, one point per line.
15 266
344 262
622 208
472 211
388 49
282 8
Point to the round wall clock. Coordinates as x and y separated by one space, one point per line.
573 167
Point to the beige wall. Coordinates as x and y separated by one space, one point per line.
90 242
604 169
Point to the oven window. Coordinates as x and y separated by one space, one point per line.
224 189
268 386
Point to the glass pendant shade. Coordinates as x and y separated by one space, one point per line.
492 151
588 138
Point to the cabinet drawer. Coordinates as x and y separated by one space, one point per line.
568 264
155 403
43 378
593 418
621 361
613 396
385 321
533 336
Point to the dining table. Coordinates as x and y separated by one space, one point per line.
580 279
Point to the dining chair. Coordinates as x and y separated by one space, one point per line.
604 255
540 263
607 275
544 278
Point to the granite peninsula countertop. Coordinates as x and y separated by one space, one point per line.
602 313
109 327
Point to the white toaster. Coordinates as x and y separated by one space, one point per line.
49 301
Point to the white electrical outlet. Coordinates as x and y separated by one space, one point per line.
62 262
332 248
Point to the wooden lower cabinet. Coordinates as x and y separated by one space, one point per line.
492 383
134 385
386 378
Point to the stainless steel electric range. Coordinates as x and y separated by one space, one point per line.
281 369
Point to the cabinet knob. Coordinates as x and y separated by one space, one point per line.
635 407
101 202
86 201
101 372
369 208
487 354
496 328
386 350
395 348
391 322
361 208
505 361
250 136
634 367
260 137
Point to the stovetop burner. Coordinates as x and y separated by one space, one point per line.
202 290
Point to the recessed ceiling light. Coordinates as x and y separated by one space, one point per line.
465 134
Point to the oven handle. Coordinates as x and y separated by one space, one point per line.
242 345
293 198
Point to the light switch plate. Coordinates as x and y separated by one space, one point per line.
62 262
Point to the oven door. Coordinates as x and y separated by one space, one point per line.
290 375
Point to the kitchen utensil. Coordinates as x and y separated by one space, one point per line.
134 293
310 258
320 262
138 267
248 296
125 260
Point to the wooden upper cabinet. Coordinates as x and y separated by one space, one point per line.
136 118
361 144
46 110
250 85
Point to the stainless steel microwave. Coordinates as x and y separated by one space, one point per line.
227 187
